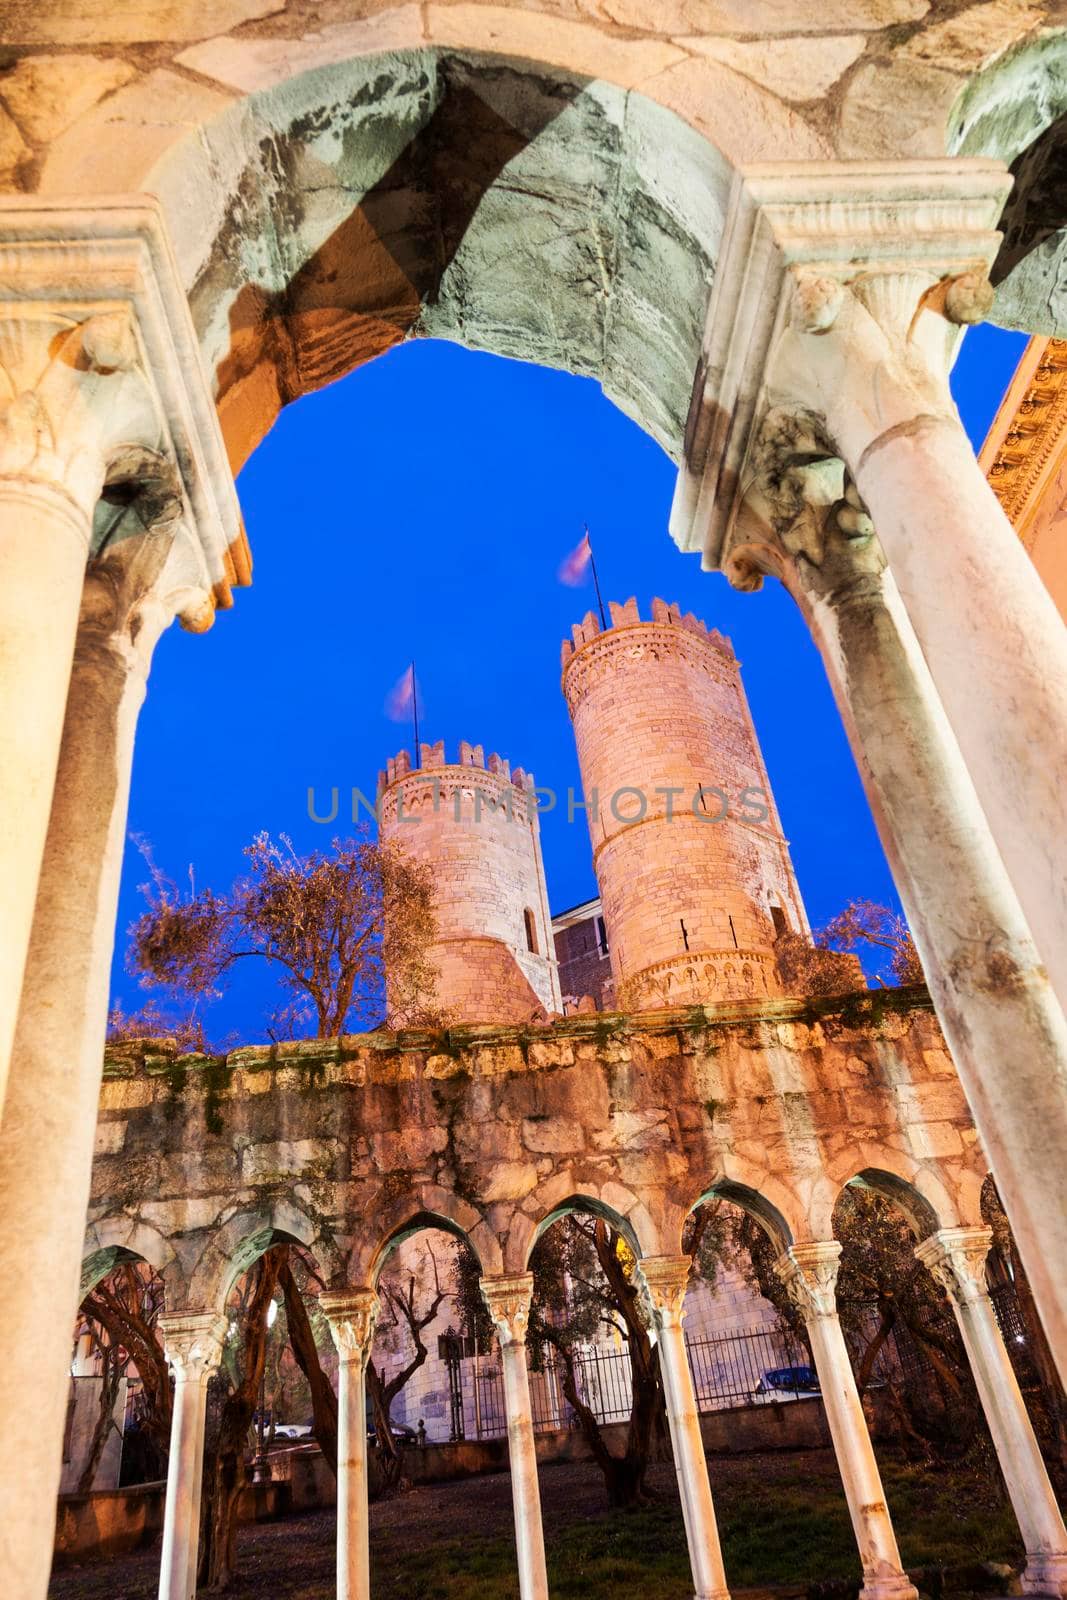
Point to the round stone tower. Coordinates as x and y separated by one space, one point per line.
693 868
477 826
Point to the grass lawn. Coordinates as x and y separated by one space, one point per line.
782 1519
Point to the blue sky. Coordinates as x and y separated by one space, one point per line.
420 508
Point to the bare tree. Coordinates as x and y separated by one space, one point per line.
863 922
327 924
410 1306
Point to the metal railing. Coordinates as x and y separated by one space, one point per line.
748 1368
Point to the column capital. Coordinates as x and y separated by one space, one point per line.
663 1281
353 1316
840 289
193 1343
507 1299
105 387
809 1273
956 1257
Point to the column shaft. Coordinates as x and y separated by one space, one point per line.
193 1343
508 1302
996 648
664 1280
181 1515
525 1491
810 1274
992 995
44 544
353 1533
694 1485
48 1129
352 1315
956 1256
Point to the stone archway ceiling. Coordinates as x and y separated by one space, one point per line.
1017 110
528 212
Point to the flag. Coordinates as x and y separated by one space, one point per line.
572 571
400 702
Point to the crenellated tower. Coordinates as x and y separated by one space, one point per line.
476 824
693 867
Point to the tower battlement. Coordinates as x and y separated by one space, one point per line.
628 615
433 757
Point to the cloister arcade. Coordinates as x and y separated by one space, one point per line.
763 237
775 1108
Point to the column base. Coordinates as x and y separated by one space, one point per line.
1045 1574
890 1586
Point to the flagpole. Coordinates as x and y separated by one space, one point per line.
596 580
415 714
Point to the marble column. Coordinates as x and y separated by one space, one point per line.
807 525
48 1130
664 1280
193 1343
809 1272
824 409
352 1315
70 391
995 645
957 1259
508 1303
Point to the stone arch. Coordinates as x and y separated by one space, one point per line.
428 1207
767 1202
913 1188
559 1196
123 1238
322 220
234 1246
1015 109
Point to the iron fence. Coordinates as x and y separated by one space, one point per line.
750 1368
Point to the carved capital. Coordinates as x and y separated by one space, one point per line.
104 402
809 1273
663 1281
957 1257
353 1317
508 1302
839 291
193 1343
73 396
803 520
133 590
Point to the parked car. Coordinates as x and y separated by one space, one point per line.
294 1430
786 1383
401 1433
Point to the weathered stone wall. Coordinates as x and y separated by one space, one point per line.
477 827
687 845
347 1146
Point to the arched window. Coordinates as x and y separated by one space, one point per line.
531 930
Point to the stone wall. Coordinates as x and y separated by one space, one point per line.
347 1145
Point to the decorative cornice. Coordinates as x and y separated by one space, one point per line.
1028 438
